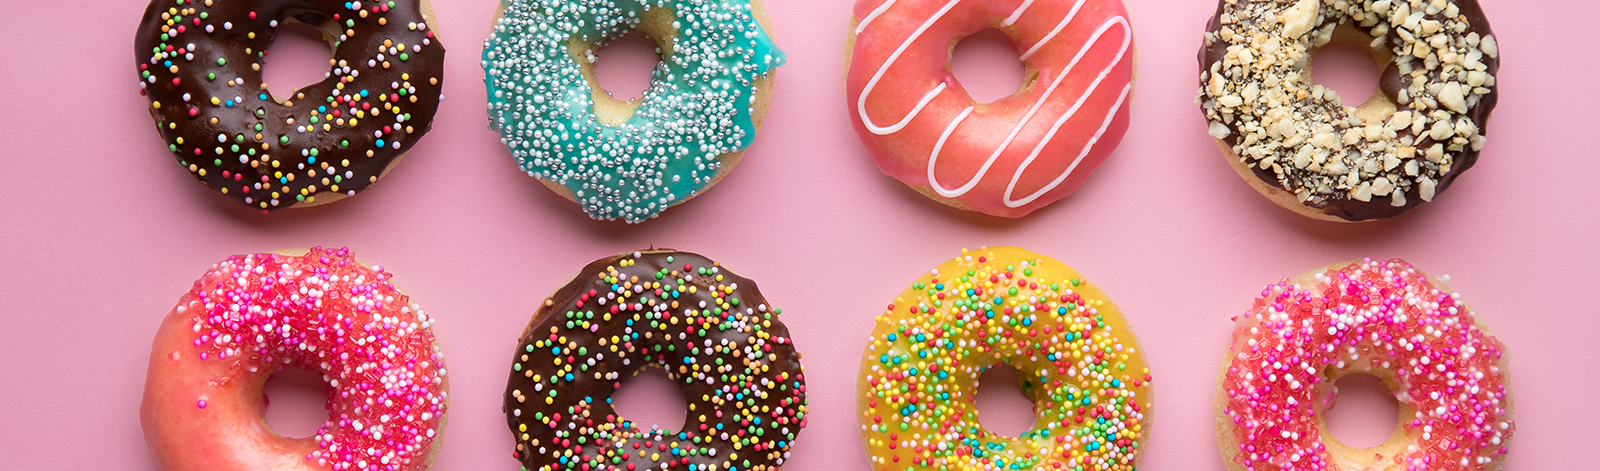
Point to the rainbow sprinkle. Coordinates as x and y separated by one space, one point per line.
712 332
200 65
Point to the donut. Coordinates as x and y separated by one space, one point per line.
1075 355
1384 318
1006 158
711 330
629 160
1302 147
319 310
200 65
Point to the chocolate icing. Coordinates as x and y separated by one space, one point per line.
1390 81
754 390
239 34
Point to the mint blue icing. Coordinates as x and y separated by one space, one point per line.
696 109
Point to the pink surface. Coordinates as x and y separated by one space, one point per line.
103 233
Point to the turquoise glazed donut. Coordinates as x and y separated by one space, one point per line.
628 160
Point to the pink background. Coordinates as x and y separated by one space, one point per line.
102 233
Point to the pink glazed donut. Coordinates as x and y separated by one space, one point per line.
319 310
1386 318
1006 158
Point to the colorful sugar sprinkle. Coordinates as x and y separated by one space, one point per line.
326 312
1074 353
711 330
200 64
1382 317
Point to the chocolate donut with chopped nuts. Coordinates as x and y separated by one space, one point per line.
1300 145
711 330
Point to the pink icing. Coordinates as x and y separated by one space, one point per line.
252 315
1015 155
1380 316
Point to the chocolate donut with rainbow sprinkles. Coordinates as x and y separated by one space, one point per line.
1304 147
200 65
710 329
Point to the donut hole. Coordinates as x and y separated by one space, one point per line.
651 400
633 52
1347 66
299 56
1369 414
296 402
622 67
987 65
1003 408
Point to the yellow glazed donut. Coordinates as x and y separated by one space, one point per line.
1075 355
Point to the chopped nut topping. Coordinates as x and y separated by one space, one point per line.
1259 95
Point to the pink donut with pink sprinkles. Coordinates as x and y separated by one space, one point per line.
1384 318
319 310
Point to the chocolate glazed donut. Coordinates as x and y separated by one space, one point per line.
1413 79
200 63
711 330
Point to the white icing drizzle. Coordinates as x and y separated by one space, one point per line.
933 159
874 15
1053 32
861 104
1016 14
1121 99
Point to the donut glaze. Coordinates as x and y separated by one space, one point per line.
200 65
629 160
1006 158
319 310
1301 145
1381 317
1075 356
711 330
